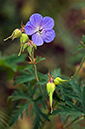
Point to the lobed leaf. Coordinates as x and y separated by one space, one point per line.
39 59
19 112
24 78
17 95
79 48
39 117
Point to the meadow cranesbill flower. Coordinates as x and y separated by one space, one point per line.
40 28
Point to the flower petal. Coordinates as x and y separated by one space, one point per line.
36 19
48 23
29 28
48 36
37 39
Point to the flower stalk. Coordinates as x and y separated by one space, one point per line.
76 73
35 70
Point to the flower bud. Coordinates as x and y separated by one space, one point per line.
50 87
50 90
59 81
15 34
23 38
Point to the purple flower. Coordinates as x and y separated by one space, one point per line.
40 28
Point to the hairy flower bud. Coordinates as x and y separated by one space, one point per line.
59 81
50 87
15 34
23 38
50 90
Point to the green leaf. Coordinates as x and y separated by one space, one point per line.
28 67
10 64
29 49
73 96
39 59
26 77
39 117
56 97
56 72
32 90
66 110
34 46
65 89
20 94
25 46
83 39
76 87
74 107
43 78
12 61
74 116
19 112
4 120
2 62
84 93
83 98
79 48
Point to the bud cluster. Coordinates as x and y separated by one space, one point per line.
24 39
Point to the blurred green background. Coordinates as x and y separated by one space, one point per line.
69 27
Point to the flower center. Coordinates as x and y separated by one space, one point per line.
39 30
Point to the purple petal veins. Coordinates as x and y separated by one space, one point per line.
48 23
37 39
36 19
40 28
48 36
29 28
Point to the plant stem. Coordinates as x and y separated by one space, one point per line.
34 65
35 71
66 120
76 73
36 77
20 50
74 121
